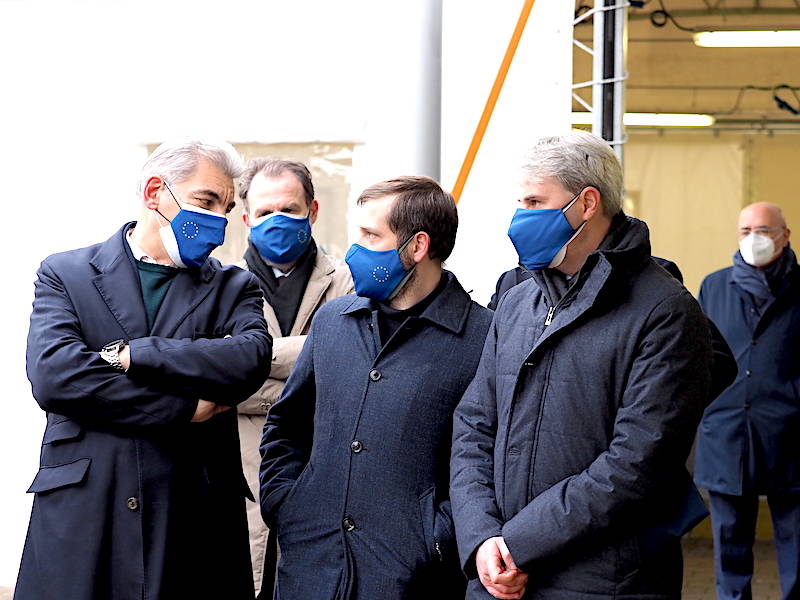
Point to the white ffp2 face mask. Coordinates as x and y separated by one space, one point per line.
757 250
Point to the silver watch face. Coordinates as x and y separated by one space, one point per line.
114 346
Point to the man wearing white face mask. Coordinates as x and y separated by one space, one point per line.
747 442
296 278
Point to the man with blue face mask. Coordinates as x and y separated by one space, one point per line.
355 453
568 474
747 443
138 348
296 277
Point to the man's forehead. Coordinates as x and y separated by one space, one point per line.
759 215
375 212
219 189
286 182
540 184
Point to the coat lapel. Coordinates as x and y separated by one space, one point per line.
318 283
188 289
118 284
273 326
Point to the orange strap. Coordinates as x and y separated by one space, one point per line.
477 137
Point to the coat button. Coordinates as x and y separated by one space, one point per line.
348 523
133 503
356 446
374 374
748 372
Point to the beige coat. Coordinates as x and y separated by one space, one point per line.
329 279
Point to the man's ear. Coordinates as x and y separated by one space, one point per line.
592 203
312 217
246 218
151 192
419 246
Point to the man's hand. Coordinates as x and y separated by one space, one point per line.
497 571
125 357
206 410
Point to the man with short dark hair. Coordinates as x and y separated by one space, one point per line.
297 277
569 447
355 453
137 349
747 443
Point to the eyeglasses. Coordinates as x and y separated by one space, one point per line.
744 231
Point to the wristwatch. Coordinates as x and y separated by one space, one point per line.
110 353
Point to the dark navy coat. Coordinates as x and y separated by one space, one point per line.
356 453
571 441
133 501
756 419
517 275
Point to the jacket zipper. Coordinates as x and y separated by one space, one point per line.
549 318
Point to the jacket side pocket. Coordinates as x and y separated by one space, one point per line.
428 515
50 478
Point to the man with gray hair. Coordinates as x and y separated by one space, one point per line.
137 349
297 278
568 469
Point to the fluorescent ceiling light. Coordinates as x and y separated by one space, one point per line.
652 119
748 39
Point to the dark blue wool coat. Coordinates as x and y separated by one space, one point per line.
571 441
133 500
356 453
757 419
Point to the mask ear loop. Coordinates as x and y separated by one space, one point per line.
410 272
166 185
564 212
562 252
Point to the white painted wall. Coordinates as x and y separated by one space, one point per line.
535 101
88 82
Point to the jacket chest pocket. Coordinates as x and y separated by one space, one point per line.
61 431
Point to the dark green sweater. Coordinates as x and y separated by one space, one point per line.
155 280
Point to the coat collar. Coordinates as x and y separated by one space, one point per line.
320 280
118 283
448 311
116 248
624 251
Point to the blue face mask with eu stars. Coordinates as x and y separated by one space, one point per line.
378 274
192 234
540 236
281 238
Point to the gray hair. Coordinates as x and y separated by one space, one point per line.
271 167
176 160
576 160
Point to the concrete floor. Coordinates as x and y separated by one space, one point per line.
698 570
